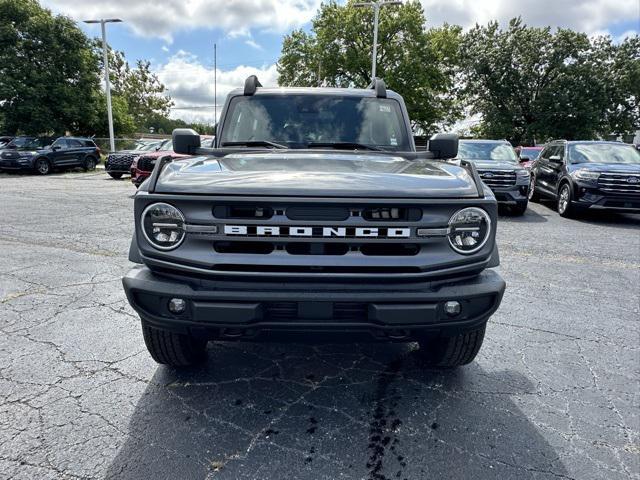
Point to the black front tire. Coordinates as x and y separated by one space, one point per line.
115 175
43 166
533 193
565 205
451 352
174 349
89 164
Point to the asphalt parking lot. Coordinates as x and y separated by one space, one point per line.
554 393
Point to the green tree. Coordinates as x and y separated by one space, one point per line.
412 61
48 71
138 86
123 122
531 84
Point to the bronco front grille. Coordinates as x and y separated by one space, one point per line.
316 239
297 230
498 178
620 183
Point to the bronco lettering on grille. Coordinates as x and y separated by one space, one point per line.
295 231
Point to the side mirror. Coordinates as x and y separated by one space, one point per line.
444 145
555 159
524 159
185 141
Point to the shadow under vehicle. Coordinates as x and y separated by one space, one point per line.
332 411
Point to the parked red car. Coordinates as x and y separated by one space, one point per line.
142 166
528 155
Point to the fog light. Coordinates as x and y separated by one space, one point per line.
177 305
452 308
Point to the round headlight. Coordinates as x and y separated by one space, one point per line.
163 226
469 230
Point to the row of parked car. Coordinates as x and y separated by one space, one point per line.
577 175
139 161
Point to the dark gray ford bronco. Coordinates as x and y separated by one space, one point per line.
314 216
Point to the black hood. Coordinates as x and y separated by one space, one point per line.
338 174
607 167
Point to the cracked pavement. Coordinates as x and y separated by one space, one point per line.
554 392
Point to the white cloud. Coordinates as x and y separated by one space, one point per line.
165 48
583 15
190 84
253 44
165 17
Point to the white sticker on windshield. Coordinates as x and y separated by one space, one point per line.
394 142
385 108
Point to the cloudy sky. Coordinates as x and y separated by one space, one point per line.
177 36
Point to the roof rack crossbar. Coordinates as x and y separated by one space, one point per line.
379 86
251 84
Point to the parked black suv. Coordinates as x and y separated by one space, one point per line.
119 163
64 153
588 174
314 214
500 169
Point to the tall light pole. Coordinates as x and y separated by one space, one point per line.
215 84
376 13
107 83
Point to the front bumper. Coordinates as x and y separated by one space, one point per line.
595 199
511 195
138 176
245 310
16 164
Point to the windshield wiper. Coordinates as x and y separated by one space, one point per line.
343 146
254 143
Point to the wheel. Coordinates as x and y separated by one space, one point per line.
115 175
519 208
451 352
533 193
89 164
174 349
565 207
43 167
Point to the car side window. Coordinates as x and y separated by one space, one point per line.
74 143
61 142
546 153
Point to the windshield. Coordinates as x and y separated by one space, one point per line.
146 146
21 142
603 153
531 153
299 121
497 151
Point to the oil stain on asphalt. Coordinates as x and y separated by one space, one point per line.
384 425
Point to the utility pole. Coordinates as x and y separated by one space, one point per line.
107 83
376 14
215 84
